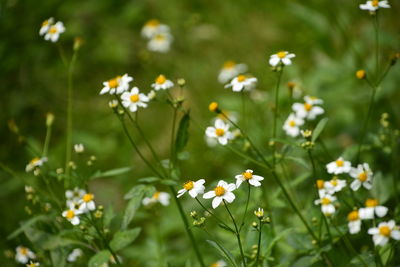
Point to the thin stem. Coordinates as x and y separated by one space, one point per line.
237 233
47 140
244 109
212 214
376 26
276 110
243 155
259 242
173 153
62 54
247 205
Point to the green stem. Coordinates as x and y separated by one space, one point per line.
247 205
173 154
47 141
276 110
62 54
259 242
212 214
243 155
376 26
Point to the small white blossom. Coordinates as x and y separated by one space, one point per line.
362 176
79 148
161 197
374 5
152 27
230 70
72 214
354 222
33 264
223 191
74 255
334 185
75 195
24 254
134 99
248 175
162 83
87 203
283 57
161 42
219 263
54 31
383 232
371 209
242 82
307 110
117 85
46 26
292 124
35 163
220 132
193 188
326 204
338 166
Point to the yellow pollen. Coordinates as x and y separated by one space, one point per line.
161 79
292 123
188 185
353 216
160 37
229 64
88 197
219 132
113 83
134 98
153 23
339 163
281 54
31 264
215 265
219 191
23 251
45 23
241 78
70 214
384 230
53 30
156 195
35 160
247 175
325 201
334 182
371 202
362 177
307 106
375 3
320 184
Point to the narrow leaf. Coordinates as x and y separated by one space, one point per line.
99 259
224 253
318 129
122 239
113 172
182 135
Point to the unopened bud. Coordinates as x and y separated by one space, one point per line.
213 107
361 74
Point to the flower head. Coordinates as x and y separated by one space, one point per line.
374 5
116 85
292 125
230 70
152 27
74 255
160 42
52 31
223 191
308 109
371 209
248 176
46 26
326 202
162 83
334 185
338 166
219 263
33 264
241 82
362 177
158 197
79 148
74 195
354 222
35 163
134 99
87 203
282 57
259 213
193 188
72 214
220 131
384 232
24 254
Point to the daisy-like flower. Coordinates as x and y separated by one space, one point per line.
133 99
259 213
371 209
74 195
35 163
283 57
338 166
220 131
72 215
54 31
162 83
46 26
220 263
230 70
362 177
250 177
152 27
242 82
161 42
33 264
326 204
307 110
384 232
334 185
24 254
116 85
374 5
79 148
87 203
223 191
74 255
161 197
291 125
354 222
194 188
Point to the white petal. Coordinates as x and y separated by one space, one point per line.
216 201
381 211
229 197
209 194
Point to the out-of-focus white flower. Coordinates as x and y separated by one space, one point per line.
46 26
79 148
283 57
307 110
72 215
292 125
223 191
372 207
326 204
194 188
374 5
74 255
242 82
383 232
35 163
24 254
87 203
362 176
338 166
230 70
220 132
320 184
113 103
162 83
161 42
116 85
134 99
151 95
248 175
54 31
219 263
152 27
354 222
334 185
227 116
75 195
161 197
33 264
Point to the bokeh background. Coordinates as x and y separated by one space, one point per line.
331 40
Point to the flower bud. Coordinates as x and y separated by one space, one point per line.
361 74
49 119
213 107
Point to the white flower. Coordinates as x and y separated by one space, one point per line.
46 26
72 215
116 85
313 100
338 166
74 195
372 207
250 177
291 125
151 95
259 213
219 263
74 255
160 197
134 99
223 191
54 31
374 5
307 110
362 176
334 185
220 132
152 27
194 188
33 264
242 82
326 204
320 184
283 57
354 222
161 42
35 163
87 203
162 83
383 232
23 254
230 70
79 148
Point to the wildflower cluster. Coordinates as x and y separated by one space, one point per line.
158 35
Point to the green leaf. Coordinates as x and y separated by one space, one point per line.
279 236
122 239
99 259
27 224
139 190
182 135
113 172
381 187
226 228
223 252
149 180
318 129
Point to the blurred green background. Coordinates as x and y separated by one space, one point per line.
331 40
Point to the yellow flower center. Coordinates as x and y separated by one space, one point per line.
31 264
325 201
134 98
307 106
320 184
353 216
219 191
23 251
88 197
153 23
160 37
241 78
156 195
281 54
334 182
247 175
188 185
216 264
339 163
371 202
375 3
219 132
384 230
362 177
161 79
292 123
70 214
229 64
35 160
113 83
45 23
53 30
